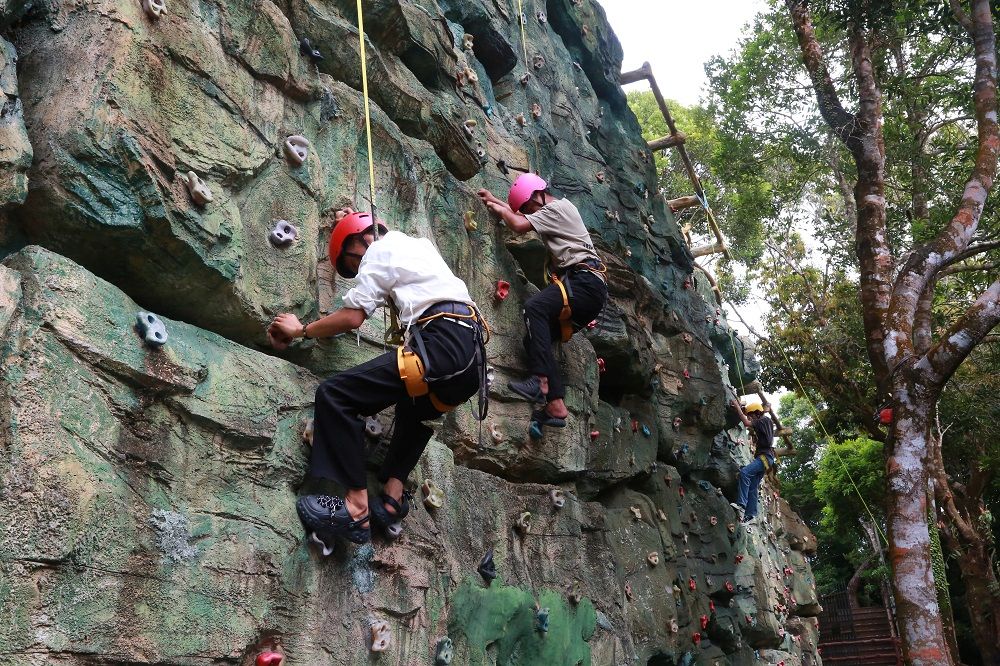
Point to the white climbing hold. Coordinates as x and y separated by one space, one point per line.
467 40
538 61
297 149
197 188
523 522
541 17
154 8
558 498
283 233
380 635
433 495
307 432
470 75
521 120
152 329
536 110
496 433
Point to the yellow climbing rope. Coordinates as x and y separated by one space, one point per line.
368 121
524 40
816 416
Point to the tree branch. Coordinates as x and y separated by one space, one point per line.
941 360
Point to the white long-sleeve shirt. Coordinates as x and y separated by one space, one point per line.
410 272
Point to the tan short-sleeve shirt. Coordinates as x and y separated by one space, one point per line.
562 230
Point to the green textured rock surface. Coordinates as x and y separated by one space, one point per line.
147 495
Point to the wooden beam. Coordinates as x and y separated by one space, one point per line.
643 72
682 203
669 141
706 250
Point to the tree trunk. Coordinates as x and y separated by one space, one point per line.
984 604
855 583
917 609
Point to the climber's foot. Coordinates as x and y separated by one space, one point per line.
740 511
388 512
530 389
327 517
543 418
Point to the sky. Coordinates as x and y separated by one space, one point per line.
677 37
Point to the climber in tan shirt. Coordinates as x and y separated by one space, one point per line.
575 297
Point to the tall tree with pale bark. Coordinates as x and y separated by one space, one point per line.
911 362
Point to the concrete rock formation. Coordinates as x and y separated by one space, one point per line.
147 492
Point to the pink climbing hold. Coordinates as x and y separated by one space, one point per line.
594 434
729 584
692 585
592 325
270 659
502 290
601 366
687 374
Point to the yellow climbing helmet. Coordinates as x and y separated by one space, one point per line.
753 407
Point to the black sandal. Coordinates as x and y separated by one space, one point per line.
542 418
326 517
391 522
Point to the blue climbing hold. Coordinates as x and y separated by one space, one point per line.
705 485
646 431
654 383
535 430
683 450
542 620
151 328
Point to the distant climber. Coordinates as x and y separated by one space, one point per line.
440 365
574 298
762 433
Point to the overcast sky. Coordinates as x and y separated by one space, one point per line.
677 37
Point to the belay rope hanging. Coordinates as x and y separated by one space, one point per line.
368 120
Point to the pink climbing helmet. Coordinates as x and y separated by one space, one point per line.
523 189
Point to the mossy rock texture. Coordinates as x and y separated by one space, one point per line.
147 493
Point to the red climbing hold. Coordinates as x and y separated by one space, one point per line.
681 490
594 434
601 366
687 283
592 325
729 584
704 622
711 606
696 637
738 558
692 585
687 374
885 415
270 659
502 290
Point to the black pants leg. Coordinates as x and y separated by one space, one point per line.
541 319
338 450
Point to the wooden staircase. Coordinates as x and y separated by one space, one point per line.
856 636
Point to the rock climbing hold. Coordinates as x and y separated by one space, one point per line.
788 571
470 75
521 120
490 375
635 425
599 176
270 658
297 149
523 522
687 283
654 383
646 432
713 520
594 434
541 17
558 498
306 49
536 110
696 637
542 620
592 325
197 188
628 591
151 328
704 621
433 495
711 606
495 433
481 152
307 432
705 485
487 569
653 558
380 635
502 290
535 430
708 581
692 585
660 514
524 78
154 8
601 366
283 233
681 490
444 653
738 559
687 373
467 40
729 585
470 221
372 427
469 126
538 61
636 512
687 338
885 416
673 626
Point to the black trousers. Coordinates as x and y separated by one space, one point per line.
338 450
541 319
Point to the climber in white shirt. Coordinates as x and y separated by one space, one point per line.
444 330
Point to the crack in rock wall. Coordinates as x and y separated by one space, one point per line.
147 494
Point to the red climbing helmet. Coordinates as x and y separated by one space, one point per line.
523 189
349 225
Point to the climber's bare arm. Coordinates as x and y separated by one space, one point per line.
515 221
286 326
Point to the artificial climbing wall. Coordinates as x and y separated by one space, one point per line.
185 158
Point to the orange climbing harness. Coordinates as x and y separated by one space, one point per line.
566 313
